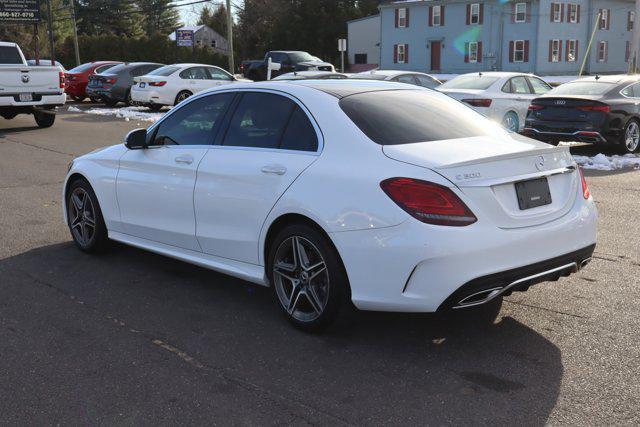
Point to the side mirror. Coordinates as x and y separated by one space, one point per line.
136 139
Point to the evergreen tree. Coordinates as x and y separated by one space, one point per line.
118 17
158 18
214 18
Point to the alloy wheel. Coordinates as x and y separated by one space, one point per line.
82 218
510 122
182 97
301 279
632 137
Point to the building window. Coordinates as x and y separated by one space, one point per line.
602 51
556 12
214 43
402 17
474 13
555 51
473 52
521 12
360 58
604 19
630 18
573 13
571 50
436 17
518 51
401 54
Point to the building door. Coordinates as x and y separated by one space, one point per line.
435 55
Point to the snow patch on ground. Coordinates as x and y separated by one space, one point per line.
608 163
74 109
128 113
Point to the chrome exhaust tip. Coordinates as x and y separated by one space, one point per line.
584 262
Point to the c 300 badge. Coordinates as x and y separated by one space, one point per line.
472 175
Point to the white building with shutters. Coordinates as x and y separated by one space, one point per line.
539 36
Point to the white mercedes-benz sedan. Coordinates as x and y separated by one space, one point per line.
172 84
395 197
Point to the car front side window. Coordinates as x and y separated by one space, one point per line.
195 123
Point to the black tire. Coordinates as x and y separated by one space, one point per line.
127 99
181 96
154 107
9 116
99 238
43 119
94 99
622 146
333 286
78 98
110 102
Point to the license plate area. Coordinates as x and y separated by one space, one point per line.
25 97
533 193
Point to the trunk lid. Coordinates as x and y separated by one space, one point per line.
22 79
487 170
569 109
461 94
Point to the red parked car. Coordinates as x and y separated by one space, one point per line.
76 80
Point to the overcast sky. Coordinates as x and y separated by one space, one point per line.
189 14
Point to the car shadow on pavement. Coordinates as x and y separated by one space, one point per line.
368 368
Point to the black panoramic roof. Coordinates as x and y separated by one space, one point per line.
343 90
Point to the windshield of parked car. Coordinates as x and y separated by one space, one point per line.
82 68
165 71
114 70
582 88
475 81
302 56
394 117
9 55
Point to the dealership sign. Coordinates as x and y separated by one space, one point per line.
20 11
183 37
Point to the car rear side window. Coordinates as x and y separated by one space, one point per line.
10 55
394 117
299 134
194 123
259 121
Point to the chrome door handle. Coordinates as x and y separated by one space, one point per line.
184 160
274 169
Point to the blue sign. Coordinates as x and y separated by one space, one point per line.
184 37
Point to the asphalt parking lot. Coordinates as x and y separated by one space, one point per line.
133 338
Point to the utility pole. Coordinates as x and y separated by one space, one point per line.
51 40
232 68
635 42
586 52
36 42
75 31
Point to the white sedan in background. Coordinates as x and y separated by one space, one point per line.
172 84
503 97
400 76
394 197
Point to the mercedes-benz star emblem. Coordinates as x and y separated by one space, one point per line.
25 78
540 163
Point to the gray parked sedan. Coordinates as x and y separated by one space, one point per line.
114 85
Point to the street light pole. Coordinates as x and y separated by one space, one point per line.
75 31
232 68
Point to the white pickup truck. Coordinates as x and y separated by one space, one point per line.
28 90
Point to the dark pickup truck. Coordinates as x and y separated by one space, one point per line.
289 61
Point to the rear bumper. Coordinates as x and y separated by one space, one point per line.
109 93
484 289
149 97
416 267
39 100
592 136
76 89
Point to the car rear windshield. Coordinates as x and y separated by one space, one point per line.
9 55
476 81
82 68
165 71
302 56
115 69
396 117
582 88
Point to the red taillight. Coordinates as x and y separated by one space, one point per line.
428 202
61 76
478 102
585 188
600 108
536 107
157 84
111 81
